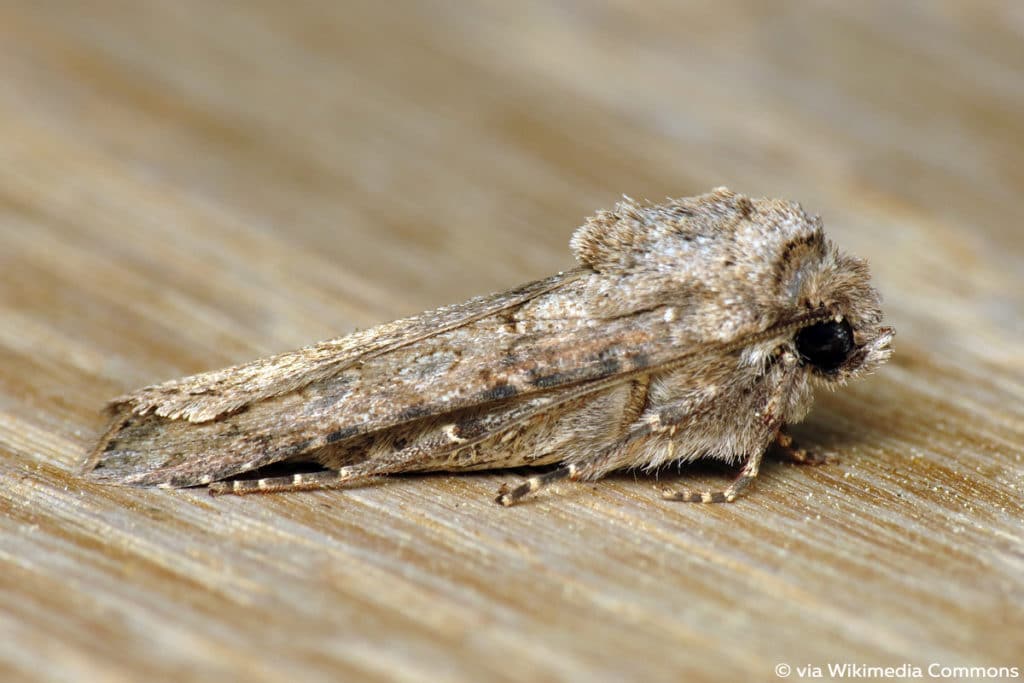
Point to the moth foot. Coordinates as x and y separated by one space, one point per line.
219 488
688 496
504 496
801 456
510 496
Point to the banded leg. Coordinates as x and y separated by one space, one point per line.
729 494
794 453
593 467
375 465
316 481
312 481
771 416
508 497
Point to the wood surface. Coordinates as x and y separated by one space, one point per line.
187 185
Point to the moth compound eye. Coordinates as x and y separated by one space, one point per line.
825 345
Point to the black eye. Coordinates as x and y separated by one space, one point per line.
825 345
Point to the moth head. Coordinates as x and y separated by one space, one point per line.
846 338
733 267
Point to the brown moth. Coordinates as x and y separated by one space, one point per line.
690 329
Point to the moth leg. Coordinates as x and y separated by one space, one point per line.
508 497
312 481
332 478
729 494
794 453
591 468
771 416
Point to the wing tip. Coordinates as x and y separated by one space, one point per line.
109 462
117 410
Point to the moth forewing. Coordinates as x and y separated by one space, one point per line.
210 395
399 386
690 329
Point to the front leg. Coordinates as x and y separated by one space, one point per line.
746 476
785 444
772 420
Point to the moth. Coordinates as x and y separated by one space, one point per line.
696 328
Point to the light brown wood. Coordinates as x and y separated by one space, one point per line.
186 185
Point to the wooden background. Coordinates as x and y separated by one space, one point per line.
186 185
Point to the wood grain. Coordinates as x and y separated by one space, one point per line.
189 185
